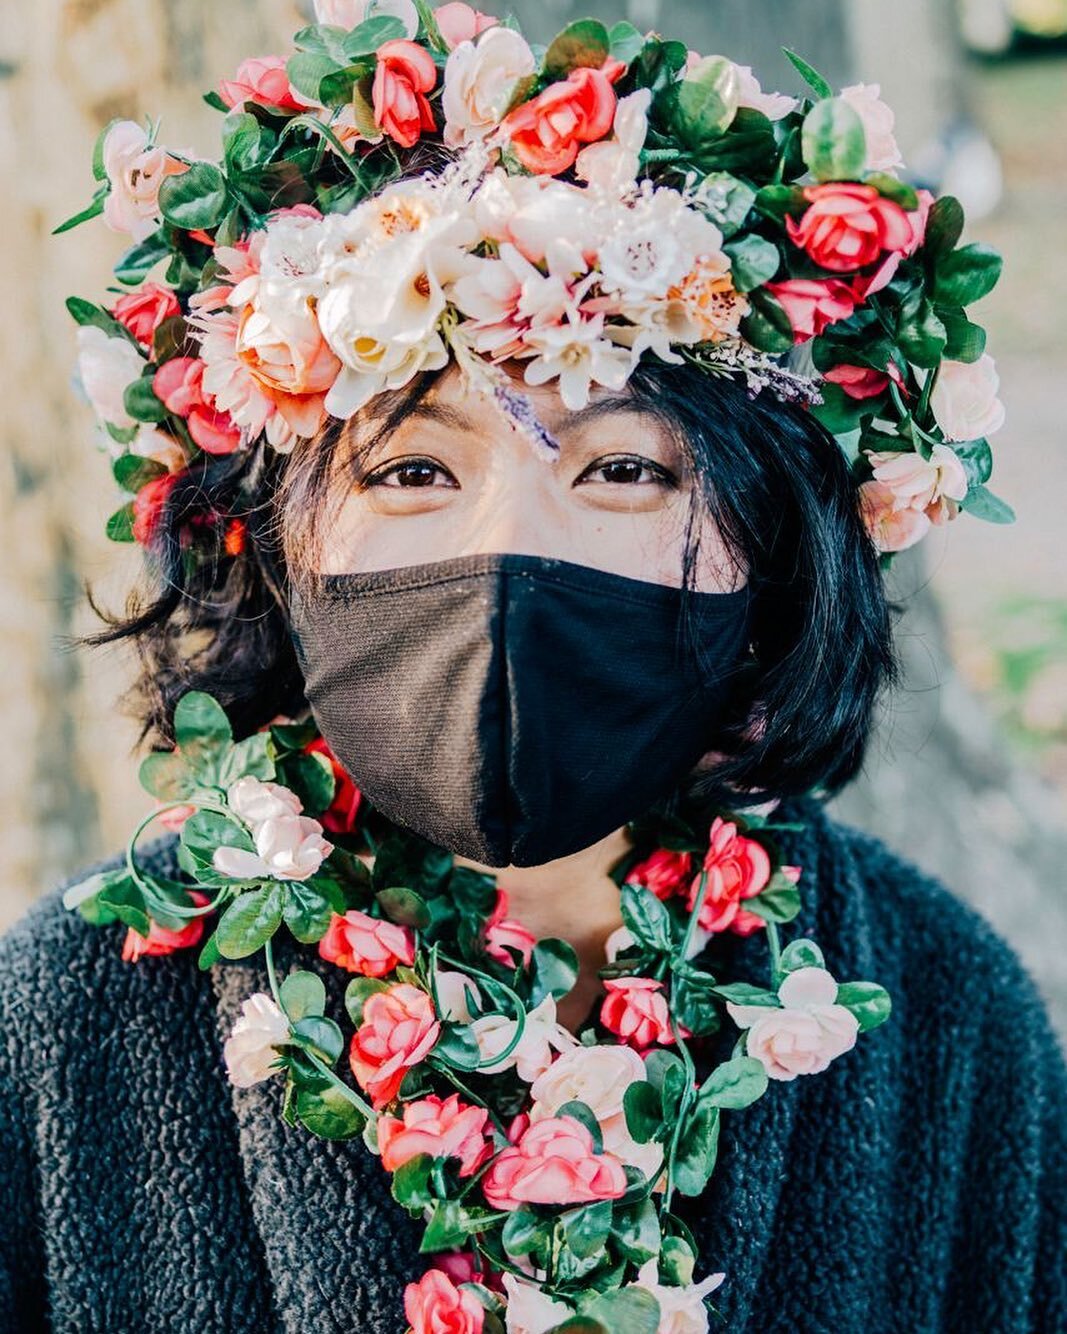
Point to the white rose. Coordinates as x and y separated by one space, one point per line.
249 1050
682 1310
135 171
106 368
349 14
877 119
613 164
964 399
533 1055
529 1311
254 801
480 79
288 847
804 1034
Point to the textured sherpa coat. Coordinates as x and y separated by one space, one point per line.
919 1185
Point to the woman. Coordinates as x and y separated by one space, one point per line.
536 649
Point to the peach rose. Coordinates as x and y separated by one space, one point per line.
288 847
506 938
547 132
367 945
922 484
135 170
163 939
736 868
891 527
399 1030
664 872
964 399
458 23
813 305
255 801
405 73
803 1036
636 1010
553 1162
143 311
249 1050
290 362
443 1129
480 81
877 120
262 80
435 1305
848 226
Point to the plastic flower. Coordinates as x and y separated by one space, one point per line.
349 14
255 801
444 1128
964 399
848 226
814 304
877 120
663 872
613 164
806 1033
735 868
106 368
459 22
553 1162
434 1305
547 132
135 169
505 938
480 81
249 1051
143 311
404 74
263 81
529 1310
542 1035
367 945
576 352
635 1008
682 1309
399 1030
163 939
289 846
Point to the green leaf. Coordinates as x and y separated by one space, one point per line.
753 261
202 733
125 901
648 920
92 210
641 1103
196 198
967 274
944 227
250 921
303 994
983 504
411 1183
320 1035
246 142
677 1262
869 1002
815 81
166 775
585 43
922 336
554 967
977 459
141 403
358 992
307 911
744 993
900 192
131 471
586 1229
693 1002
525 1232
703 104
626 42
86 313
371 34
306 71
327 1113
457 1047
139 261
833 142
726 200
966 341
119 527
779 902
698 1149
251 757
767 326
404 907
735 1084
630 1310
209 955
637 1232
801 953
311 778
450 1225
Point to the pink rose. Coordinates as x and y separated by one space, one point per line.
547 132
806 1033
736 868
861 382
813 305
964 399
179 384
435 1305
891 527
399 1030
553 1163
214 431
405 73
849 226
262 80
506 938
460 23
635 1009
135 170
163 939
142 312
443 1129
367 945
664 872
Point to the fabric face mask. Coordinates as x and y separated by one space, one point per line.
515 709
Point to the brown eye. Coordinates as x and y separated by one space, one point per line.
627 470
411 473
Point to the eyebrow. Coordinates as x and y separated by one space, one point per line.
458 420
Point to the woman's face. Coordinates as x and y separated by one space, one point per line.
457 478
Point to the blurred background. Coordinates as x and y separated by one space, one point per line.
968 777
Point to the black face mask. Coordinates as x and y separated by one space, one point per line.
515 709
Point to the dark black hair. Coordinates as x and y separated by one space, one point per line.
774 480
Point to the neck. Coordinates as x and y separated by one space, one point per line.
573 899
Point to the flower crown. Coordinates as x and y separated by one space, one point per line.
610 195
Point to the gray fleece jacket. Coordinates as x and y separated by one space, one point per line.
919 1185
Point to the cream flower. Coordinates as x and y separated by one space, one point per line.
877 119
773 105
919 483
613 164
653 245
529 1310
805 1032
254 801
249 1050
349 14
541 1035
580 355
681 1310
106 368
455 994
964 399
288 847
231 385
135 171
480 80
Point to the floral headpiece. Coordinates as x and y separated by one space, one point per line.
611 195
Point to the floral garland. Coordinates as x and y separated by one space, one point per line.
614 194
544 1164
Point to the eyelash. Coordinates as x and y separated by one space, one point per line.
659 475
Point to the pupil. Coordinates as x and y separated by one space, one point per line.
416 474
622 470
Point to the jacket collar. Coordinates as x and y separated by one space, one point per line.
340 1251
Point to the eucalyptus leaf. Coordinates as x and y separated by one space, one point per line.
705 102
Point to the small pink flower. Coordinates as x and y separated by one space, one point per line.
214 431
735 868
553 1163
664 872
547 132
405 73
367 945
812 305
635 1009
399 1030
262 80
179 384
877 120
443 1129
135 170
461 23
165 940
848 226
435 1305
805 1033
891 527
505 938
143 311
